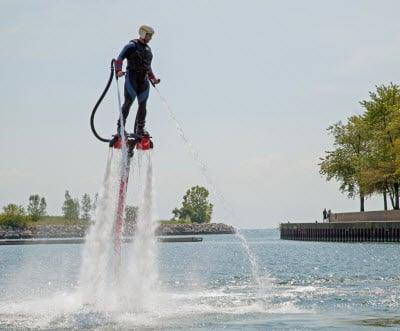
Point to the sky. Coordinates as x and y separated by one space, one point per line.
254 85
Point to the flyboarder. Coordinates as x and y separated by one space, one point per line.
138 73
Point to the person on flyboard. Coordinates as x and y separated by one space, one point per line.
138 74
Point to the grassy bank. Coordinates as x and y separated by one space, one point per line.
57 220
174 222
60 220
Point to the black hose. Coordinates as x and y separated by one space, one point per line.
99 102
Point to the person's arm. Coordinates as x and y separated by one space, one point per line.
121 57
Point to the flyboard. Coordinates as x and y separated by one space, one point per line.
128 142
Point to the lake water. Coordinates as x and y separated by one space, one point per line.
209 286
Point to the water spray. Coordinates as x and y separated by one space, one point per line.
103 278
203 169
126 143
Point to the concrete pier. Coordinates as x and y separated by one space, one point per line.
379 231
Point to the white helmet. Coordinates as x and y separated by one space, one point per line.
145 29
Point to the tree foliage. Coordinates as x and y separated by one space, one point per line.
42 207
195 206
366 155
14 210
36 207
13 216
383 118
71 207
95 201
347 161
86 207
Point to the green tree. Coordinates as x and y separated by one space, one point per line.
71 207
33 207
383 118
195 206
43 207
14 210
366 155
95 201
76 209
36 207
13 216
86 207
348 161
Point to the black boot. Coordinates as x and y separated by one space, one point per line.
140 120
141 131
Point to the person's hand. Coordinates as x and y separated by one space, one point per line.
120 73
155 81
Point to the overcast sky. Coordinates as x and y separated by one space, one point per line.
255 84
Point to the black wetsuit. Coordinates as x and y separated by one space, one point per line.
137 77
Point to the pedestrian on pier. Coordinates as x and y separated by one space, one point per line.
324 215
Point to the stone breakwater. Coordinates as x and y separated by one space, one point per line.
79 231
193 229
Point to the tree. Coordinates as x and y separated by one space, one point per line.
76 209
36 207
13 216
366 155
383 118
14 210
195 206
42 207
71 207
94 203
86 207
33 207
347 162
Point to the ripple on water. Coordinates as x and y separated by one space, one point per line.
208 286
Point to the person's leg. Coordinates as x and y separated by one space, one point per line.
129 95
143 95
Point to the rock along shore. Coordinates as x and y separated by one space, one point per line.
79 231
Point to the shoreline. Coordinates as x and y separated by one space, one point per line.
79 231
80 241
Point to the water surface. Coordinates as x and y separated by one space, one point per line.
209 286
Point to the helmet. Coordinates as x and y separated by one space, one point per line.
145 29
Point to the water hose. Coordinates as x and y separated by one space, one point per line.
98 104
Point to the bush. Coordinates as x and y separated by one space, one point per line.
13 221
13 216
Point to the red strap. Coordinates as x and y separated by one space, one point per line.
118 65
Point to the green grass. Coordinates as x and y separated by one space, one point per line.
175 222
57 220
60 220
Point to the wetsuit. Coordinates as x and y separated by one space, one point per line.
138 73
